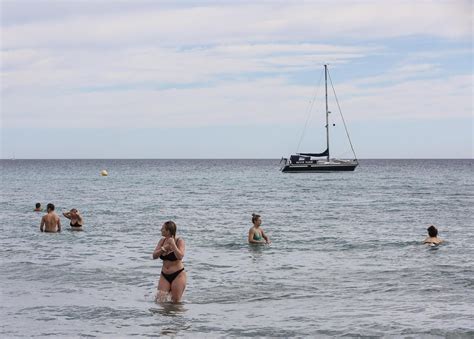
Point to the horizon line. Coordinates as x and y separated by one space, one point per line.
14 159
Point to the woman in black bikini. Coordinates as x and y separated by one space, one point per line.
171 250
76 219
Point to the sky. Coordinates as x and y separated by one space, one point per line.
235 79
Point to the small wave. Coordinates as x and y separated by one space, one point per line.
231 245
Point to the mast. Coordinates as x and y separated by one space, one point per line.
327 110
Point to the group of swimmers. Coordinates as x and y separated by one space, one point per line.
171 249
50 222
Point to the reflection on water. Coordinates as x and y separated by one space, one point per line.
169 309
174 314
258 251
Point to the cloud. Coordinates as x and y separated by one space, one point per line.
259 102
439 98
155 67
255 23
214 64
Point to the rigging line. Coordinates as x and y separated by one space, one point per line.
340 112
308 112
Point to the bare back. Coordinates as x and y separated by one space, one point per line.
433 240
50 223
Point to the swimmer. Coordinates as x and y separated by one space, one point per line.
76 219
432 237
50 222
171 250
38 207
256 233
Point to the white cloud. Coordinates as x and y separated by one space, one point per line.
261 102
45 70
214 24
447 97
117 69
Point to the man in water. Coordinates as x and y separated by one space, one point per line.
432 238
50 222
38 207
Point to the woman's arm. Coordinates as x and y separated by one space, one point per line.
267 239
158 249
178 248
67 215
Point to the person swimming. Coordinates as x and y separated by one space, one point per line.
38 207
171 250
75 218
256 233
432 237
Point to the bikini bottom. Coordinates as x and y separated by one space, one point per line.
172 276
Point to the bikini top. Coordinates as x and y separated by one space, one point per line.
170 256
257 236
76 224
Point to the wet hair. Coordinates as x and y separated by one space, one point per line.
432 231
73 210
38 205
255 217
170 226
50 207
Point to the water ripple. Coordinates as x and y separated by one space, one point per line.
346 257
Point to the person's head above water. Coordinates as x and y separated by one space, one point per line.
50 207
432 231
38 205
168 229
256 219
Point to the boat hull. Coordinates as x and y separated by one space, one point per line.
326 167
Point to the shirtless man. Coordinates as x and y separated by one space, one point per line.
432 238
50 222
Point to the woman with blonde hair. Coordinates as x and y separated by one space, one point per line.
256 233
75 218
171 250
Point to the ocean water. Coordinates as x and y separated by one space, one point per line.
346 257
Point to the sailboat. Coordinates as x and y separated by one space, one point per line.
315 162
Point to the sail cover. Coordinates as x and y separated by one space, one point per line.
324 154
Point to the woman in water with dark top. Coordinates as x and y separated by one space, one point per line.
76 219
256 233
171 250
432 237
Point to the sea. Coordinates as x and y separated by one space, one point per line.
346 258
